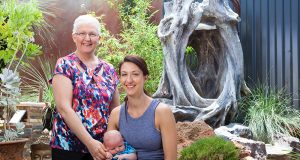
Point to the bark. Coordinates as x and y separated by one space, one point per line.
210 91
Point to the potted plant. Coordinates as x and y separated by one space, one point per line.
17 19
9 94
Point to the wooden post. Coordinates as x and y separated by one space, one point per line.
41 94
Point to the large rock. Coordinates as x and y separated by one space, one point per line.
278 152
239 130
257 148
282 146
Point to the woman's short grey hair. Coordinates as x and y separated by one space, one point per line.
86 19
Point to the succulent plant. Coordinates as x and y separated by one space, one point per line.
12 134
9 95
10 88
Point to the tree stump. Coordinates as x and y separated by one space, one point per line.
210 91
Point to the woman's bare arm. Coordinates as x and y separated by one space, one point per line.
63 92
115 100
113 121
167 126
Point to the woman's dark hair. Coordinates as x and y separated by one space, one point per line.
140 62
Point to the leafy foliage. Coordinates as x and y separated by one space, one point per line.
210 148
10 91
17 19
12 134
137 37
268 113
191 58
9 94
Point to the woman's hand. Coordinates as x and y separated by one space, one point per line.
97 150
63 94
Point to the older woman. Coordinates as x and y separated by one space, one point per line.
147 125
85 91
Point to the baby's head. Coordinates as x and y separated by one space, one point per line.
113 141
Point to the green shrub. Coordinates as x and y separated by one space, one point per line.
138 36
269 113
211 148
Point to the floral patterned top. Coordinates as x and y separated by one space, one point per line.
93 90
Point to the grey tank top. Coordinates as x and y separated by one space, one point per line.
141 133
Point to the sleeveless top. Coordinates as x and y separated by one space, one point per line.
141 133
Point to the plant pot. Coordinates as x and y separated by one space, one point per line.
12 149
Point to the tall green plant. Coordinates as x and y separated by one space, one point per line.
139 37
17 19
269 114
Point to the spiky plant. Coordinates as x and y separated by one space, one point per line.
36 80
269 113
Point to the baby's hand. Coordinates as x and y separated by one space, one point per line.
120 157
108 156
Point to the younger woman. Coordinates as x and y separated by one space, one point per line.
145 123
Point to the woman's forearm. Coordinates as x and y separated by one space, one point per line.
75 124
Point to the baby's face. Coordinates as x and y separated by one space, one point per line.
114 148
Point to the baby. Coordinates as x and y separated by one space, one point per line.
117 148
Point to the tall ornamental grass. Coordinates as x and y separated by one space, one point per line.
269 113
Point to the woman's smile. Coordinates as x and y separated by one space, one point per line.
132 78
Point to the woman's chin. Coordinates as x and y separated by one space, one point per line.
130 93
87 50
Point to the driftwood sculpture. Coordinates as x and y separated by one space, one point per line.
209 92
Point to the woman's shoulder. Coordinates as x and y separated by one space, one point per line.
164 114
67 60
65 65
116 111
114 117
162 108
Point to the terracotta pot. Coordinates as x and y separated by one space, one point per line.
12 149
